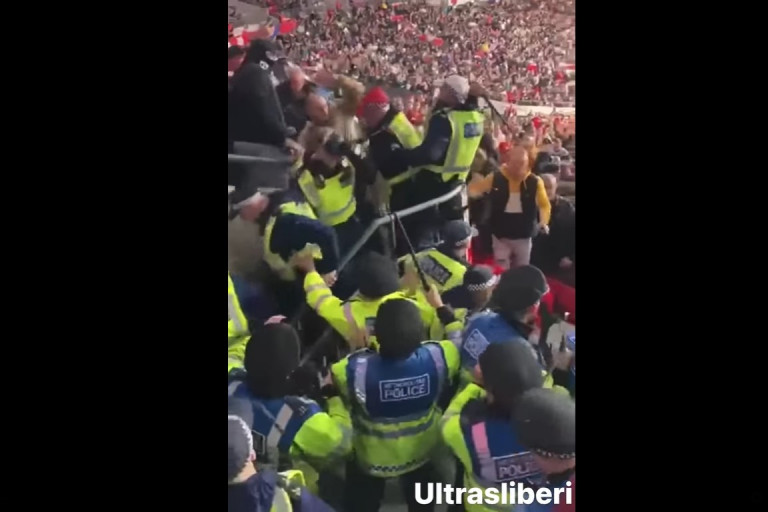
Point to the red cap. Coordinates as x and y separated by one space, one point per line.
375 96
503 147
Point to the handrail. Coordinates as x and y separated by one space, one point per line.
246 159
375 224
386 219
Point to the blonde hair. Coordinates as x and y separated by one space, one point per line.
316 136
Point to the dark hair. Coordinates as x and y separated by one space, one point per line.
399 328
271 356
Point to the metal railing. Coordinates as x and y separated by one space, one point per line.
386 219
376 224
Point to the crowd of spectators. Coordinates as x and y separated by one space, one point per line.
495 284
517 49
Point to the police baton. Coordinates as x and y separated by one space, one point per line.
493 108
422 276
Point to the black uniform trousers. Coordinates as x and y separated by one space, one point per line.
364 493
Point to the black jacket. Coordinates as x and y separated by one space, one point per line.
513 225
254 113
390 163
293 108
549 249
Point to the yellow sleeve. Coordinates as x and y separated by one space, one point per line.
339 375
542 201
236 351
451 433
339 412
549 383
477 188
428 316
453 332
470 392
452 357
323 437
328 306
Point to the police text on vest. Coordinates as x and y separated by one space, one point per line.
404 389
514 467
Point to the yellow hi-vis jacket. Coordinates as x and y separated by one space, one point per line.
354 319
238 325
334 200
467 128
390 447
276 263
441 270
238 333
408 137
289 484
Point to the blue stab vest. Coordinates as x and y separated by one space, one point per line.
405 389
496 453
483 329
276 422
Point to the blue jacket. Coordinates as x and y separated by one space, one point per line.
483 329
257 493
293 232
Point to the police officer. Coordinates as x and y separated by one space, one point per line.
445 156
252 491
546 423
354 319
444 266
474 293
511 316
476 425
291 229
285 424
388 127
393 397
333 180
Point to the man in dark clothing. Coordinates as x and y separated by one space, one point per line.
388 129
256 122
555 253
254 113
